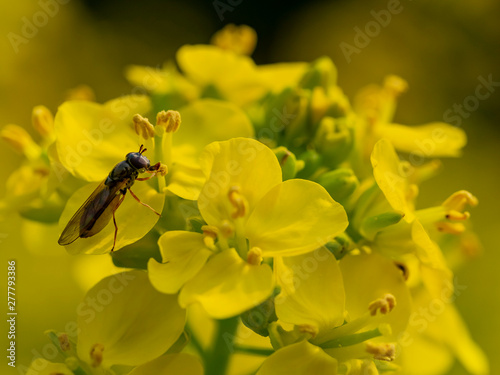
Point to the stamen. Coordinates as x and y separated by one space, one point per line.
169 120
64 342
21 141
456 215
254 256
383 352
238 201
451 228
239 39
42 120
162 170
459 200
306 328
210 234
96 354
227 229
384 305
143 127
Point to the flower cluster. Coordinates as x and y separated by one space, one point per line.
290 240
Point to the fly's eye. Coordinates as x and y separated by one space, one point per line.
139 162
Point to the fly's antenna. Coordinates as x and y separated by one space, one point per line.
142 150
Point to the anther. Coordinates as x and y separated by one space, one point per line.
169 120
456 215
227 229
254 256
384 305
383 352
237 201
96 354
210 234
42 120
311 330
64 342
143 127
451 228
162 169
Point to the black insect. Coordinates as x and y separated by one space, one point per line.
98 209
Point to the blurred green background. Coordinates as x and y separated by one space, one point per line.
440 48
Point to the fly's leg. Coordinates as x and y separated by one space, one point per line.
144 204
114 219
153 173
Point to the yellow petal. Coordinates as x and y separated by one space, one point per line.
302 358
208 120
294 217
282 75
178 364
134 221
41 366
312 290
387 173
228 285
92 138
435 273
131 331
186 181
235 76
439 362
436 139
240 162
184 254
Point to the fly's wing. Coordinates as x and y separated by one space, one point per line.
82 222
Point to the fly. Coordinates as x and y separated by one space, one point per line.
98 209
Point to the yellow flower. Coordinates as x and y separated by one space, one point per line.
243 200
375 107
334 311
140 335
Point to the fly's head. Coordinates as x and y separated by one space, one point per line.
138 160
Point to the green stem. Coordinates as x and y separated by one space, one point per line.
353 339
223 347
251 350
159 157
196 343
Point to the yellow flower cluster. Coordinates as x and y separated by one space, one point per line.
289 241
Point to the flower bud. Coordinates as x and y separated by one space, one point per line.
339 183
288 162
334 140
321 73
